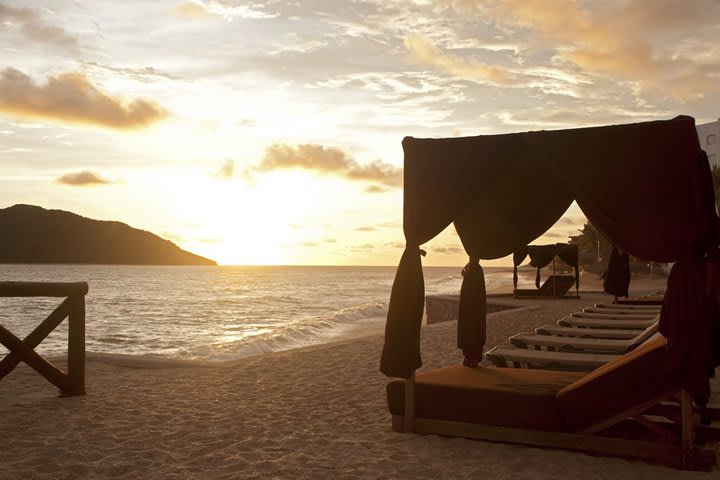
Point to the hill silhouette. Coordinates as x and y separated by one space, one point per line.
31 234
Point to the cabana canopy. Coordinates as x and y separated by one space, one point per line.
542 255
647 187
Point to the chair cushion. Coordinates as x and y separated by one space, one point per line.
631 379
506 397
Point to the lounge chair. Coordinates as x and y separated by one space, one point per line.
615 316
617 306
556 343
622 311
627 324
618 333
504 357
555 286
656 299
597 413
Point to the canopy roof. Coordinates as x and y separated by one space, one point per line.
541 255
645 186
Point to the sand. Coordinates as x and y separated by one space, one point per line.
314 413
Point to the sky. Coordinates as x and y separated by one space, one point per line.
270 132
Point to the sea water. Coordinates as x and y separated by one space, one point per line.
218 313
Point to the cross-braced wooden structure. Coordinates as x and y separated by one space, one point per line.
72 307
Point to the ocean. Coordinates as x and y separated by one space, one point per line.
218 313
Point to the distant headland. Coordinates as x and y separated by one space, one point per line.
31 234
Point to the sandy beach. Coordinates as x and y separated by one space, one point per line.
316 412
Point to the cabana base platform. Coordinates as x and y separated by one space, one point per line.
700 458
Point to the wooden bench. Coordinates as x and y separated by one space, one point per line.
72 308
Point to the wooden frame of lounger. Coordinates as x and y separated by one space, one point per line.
682 453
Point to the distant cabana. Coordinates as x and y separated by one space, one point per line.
646 187
540 257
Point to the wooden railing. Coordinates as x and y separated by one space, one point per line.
73 308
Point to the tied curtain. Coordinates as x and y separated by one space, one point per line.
645 186
542 255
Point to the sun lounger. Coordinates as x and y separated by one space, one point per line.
646 300
618 311
573 344
610 411
555 286
617 306
504 357
615 316
617 333
637 324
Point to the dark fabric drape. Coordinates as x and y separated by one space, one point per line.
617 275
541 256
644 186
518 257
471 315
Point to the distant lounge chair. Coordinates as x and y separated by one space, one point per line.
615 410
555 343
626 307
555 286
655 299
624 311
628 324
617 333
616 315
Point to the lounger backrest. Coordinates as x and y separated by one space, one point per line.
632 379
562 284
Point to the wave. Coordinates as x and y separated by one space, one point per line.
345 323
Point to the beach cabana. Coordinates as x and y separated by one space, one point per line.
646 187
540 257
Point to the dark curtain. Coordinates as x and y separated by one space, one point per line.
644 186
571 256
518 257
617 275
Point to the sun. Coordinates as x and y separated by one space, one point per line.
260 221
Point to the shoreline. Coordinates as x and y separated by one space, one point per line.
314 412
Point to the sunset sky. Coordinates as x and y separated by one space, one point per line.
269 132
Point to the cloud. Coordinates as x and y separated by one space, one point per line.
142 74
368 228
226 170
84 178
652 44
327 160
449 250
192 11
32 27
71 98
424 52
202 9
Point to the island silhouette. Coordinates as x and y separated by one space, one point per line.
32 234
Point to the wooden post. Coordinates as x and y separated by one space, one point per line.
688 433
76 347
554 280
410 404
